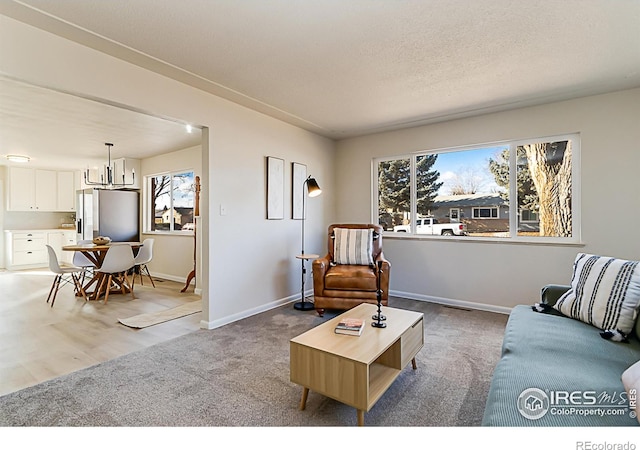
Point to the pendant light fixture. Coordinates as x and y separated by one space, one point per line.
107 178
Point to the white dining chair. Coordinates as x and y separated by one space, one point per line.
80 260
144 256
64 275
117 261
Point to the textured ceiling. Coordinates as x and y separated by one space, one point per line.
344 68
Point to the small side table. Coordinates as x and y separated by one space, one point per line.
303 305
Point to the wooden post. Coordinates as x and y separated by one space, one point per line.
196 213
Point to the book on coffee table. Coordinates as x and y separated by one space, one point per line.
350 326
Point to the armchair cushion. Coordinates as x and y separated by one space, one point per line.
351 278
353 246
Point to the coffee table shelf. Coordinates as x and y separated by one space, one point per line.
356 370
380 378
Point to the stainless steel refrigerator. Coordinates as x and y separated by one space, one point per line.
108 212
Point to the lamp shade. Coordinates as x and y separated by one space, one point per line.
312 187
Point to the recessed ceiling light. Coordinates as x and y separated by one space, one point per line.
18 158
189 128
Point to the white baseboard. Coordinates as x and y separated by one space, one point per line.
296 297
452 302
250 312
164 276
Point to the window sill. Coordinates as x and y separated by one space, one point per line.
484 240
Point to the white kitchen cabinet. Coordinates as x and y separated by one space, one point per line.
22 189
26 249
41 190
66 193
46 190
58 239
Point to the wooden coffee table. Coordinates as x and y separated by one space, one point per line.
356 370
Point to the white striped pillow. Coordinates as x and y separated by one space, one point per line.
605 292
353 246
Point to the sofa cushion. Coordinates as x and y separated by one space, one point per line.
548 354
351 278
605 292
353 246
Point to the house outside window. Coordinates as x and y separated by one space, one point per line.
521 190
170 202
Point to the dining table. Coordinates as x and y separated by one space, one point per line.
96 254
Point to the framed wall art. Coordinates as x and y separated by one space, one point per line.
275 188
298 176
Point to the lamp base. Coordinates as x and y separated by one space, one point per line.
304 306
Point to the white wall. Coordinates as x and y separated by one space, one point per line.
172 253
248 262
497 274
2 184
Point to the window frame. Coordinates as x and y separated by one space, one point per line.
513 213
150 215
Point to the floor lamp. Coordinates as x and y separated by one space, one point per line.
313 190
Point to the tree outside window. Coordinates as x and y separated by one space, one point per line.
394 192
544 186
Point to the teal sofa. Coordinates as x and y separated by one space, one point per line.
557 371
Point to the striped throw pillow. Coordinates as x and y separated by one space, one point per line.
353 246
605 292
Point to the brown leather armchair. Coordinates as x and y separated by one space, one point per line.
343 286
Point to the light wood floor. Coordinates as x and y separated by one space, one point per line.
38 342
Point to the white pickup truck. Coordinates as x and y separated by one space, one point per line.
429 225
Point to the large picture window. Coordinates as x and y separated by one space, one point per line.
520 190
171 202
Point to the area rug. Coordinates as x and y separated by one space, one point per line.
146 320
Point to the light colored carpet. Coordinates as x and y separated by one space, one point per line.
146 320
238 375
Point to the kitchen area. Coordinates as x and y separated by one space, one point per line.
54 206
54 144
58 208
